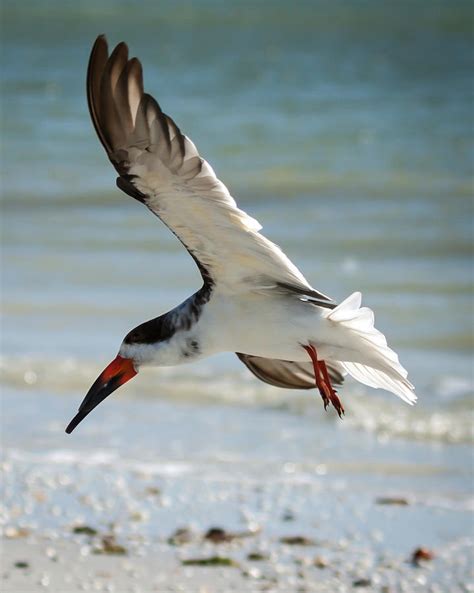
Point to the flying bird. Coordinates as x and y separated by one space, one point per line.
253 300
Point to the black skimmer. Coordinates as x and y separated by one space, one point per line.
254 301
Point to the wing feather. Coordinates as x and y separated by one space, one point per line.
162 168
287 373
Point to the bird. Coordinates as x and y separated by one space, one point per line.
253 300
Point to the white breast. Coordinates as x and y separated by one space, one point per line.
258 325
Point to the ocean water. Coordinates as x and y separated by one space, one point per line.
345 128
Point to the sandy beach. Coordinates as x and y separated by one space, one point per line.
255 565
261 502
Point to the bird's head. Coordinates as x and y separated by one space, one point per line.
140 346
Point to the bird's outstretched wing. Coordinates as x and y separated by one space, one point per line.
162 168
287 373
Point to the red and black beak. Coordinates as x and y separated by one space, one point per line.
118 372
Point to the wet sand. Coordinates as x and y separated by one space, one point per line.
126 503
254 564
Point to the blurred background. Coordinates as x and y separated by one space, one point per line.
346 129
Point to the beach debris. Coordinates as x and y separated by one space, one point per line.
211 561
218 535
297 540
288 515
421 555
252 529
362 583
320 562
392 500
253 573
108 545
256 557
85 550
104 574
303 561
183 535
51 553
44 580
84 530
40 496
16 532
138 516
22 564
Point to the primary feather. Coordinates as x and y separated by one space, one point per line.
162 168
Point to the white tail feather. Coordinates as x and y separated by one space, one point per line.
380 367
380 380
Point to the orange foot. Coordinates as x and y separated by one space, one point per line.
323 382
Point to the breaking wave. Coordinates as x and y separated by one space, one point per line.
447 416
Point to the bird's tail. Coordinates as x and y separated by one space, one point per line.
379 366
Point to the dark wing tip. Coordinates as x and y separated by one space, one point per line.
104 96
122 113
97 61
125 117
99 43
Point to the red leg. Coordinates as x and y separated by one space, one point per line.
323 381
320 384
336 402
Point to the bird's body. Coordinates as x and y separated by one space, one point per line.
257 324
253 301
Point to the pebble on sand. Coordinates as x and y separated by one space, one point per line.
256 557
211 561
181 536
217 535
110 546
320 562
362 583
297 540
84 530
421 555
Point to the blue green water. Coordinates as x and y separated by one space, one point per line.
345 128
